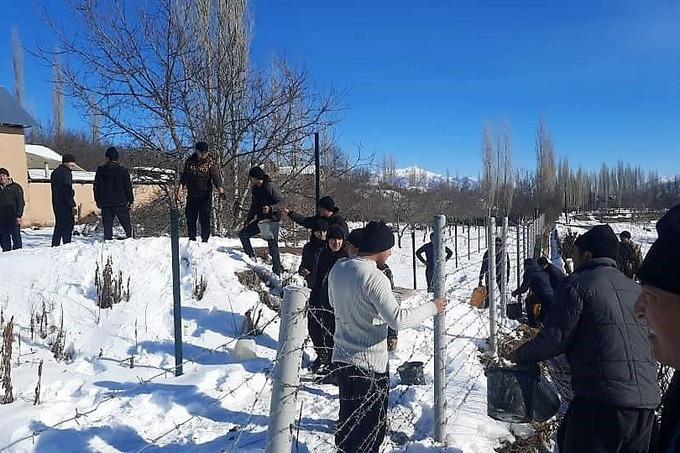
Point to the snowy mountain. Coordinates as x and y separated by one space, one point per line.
414 176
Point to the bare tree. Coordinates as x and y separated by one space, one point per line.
545 169
165 74
18 66
489 180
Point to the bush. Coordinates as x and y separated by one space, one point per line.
110 289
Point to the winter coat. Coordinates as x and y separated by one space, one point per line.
592 321
555 274
670 418
63 195
199 176
539 282
629 259
310 257
499 266
428 250
112 186
327 258
268 194
11 201
308 222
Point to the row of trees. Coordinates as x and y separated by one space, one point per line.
155 77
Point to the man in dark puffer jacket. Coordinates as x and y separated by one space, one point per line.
311 251
113 194
541 290
613 369
325 209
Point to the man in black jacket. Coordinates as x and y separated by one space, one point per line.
659 306
555 274
484 271
428 250
63 200
11 211
113 194
613 371
199 176
541 291
325 209
265 208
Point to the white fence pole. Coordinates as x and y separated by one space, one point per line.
439 332
491 233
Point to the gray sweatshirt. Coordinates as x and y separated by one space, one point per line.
364 306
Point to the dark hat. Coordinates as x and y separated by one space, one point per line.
600 240
355 237
335 232
377 237
543 261
66 158
257 173
4 171
499 240
661 266
112 153
320 225
201 147
327 203
625 235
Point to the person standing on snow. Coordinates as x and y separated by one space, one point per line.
613 371
63 200
428 250
200 174
325 209
364 306
113 194
630 256
265 206
541 291
484 271
311 251
659 306
11 211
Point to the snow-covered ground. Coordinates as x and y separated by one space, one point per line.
97 402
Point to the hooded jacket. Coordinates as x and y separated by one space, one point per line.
538 281
268 194
112 186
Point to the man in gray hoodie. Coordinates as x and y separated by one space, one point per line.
364 304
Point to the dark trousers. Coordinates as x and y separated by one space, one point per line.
321 327
63 226
122 213
594 427
362 420
529 304
10 234
252 230
429 278
198 209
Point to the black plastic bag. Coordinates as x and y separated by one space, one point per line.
520 394
514 310
411 373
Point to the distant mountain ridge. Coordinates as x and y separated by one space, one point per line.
414 176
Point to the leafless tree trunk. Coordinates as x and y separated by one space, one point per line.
58 97
489 177
18 66
545 171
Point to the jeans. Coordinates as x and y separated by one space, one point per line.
252 230
64 220
10 234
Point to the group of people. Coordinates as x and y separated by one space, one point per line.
612 331
112 194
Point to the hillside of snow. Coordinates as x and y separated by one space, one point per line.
416 177
117 391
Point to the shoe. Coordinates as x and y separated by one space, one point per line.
315 365
192 239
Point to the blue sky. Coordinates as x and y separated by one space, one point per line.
421 78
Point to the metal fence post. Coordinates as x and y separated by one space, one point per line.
468 239
286 373
519 256
176 288
493 340
479 240
439 331
504 267
455 242
413 252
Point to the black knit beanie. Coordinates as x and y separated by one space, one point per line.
327 203
111 153
335 232
66 158
377 237
600 240
661 266
4 171
355 237
257 173
320 225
